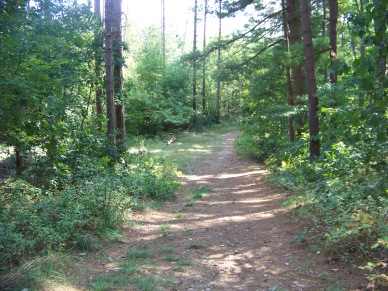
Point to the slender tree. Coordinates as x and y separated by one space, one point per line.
288 75
195 60
98 64
333 18
118 70
163 28
311 80
380 26
218 100
204 111
323 22
323 30
109 78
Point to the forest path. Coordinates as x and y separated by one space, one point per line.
237 236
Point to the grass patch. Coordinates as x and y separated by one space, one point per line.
146 284
200 192
179 266
38 272
178 215
102 285
171 258
187 233
189 147
164 227
140 252
185 263
190 204
169 282
167 250
105 283
129 268
196 246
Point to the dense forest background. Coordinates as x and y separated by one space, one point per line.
306 79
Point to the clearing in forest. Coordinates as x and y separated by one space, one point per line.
227 230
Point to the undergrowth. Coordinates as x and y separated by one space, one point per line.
74 210
344 191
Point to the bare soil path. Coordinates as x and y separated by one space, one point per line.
236 237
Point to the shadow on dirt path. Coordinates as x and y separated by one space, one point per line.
235 235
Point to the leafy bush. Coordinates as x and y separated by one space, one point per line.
344 192
35 219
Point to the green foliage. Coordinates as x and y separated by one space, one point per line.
344 192
98 196
159 94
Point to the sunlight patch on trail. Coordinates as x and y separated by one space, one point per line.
227 176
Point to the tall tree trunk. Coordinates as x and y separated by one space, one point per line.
163 25
323 30
311 80
333 18
20 161
295 38
323 23
288 75
218 100
204 111
380 26
118 71
98 64
195 62
109 79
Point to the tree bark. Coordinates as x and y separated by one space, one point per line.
311 80
195 62
323 30
288 75
98 64
333 18
163 25
109 79
323 23
218 101
204 111
118 71
295 38
380 26
20 161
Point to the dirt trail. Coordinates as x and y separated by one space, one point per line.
238 237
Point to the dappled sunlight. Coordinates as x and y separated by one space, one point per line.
60 287
227 176
198 177
194 150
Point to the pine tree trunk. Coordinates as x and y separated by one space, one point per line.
323 31
98 64
204 111
163 25
333 18
20 162
118 71
218 101
311 80
295 38
195 63
109 79
288 75
380 26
